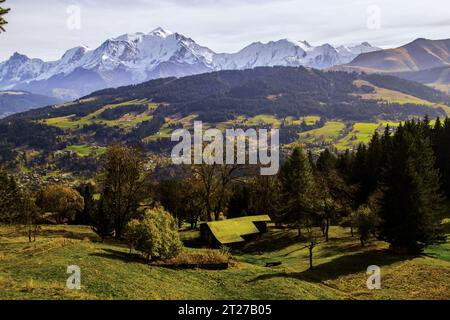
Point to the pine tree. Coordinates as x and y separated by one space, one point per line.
10 198
441 145
373 163
326 161
297 189
359 172
87 191
3 11
411 207
344 163
102 220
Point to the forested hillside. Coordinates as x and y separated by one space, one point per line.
318 108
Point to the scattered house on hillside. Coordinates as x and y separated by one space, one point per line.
233 232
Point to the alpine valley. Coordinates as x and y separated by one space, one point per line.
99 199
319 109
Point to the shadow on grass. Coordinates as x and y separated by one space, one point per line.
271 241
137 258
68 234
332 249
121 256
341 266
446 227
196 243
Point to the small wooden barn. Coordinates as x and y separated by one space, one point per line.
233 232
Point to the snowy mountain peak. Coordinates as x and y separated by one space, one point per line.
74 54
129 37
160 32
305 43
19 57
139 36
138 57
365 46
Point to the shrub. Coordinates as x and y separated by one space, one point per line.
155 235
132 233
200 258
366 222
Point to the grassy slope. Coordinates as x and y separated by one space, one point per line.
84 150
263 120
396 96
127 121
31 272
39 270
330 131
362 133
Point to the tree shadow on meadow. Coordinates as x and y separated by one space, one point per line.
120 256
137 258
270 242
342 266
343 245
62 233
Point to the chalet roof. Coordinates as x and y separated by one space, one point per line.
232 230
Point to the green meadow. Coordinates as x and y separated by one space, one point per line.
328 133
38 270
396 97
362 133
84 150
129 120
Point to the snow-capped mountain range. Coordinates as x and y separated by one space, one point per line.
135 58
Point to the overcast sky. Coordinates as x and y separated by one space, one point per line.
46 28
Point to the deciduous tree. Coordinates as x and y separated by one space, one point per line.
123 184
335 196
30 214
265 196
62 201
214 182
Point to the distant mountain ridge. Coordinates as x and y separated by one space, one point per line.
421 54
12 102
425 61
139 57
